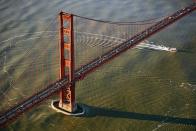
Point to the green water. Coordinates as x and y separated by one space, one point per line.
139 90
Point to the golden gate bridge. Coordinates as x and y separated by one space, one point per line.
68 52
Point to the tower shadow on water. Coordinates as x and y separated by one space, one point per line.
92 111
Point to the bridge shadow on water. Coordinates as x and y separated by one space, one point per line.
92 111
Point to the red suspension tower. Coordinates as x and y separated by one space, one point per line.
67 104
67 94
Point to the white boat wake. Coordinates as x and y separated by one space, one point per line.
148 45
143 45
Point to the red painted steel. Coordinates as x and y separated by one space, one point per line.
67 94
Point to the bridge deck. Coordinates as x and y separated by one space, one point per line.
14 112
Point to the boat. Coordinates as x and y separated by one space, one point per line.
172 49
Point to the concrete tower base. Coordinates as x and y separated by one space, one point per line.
78 112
